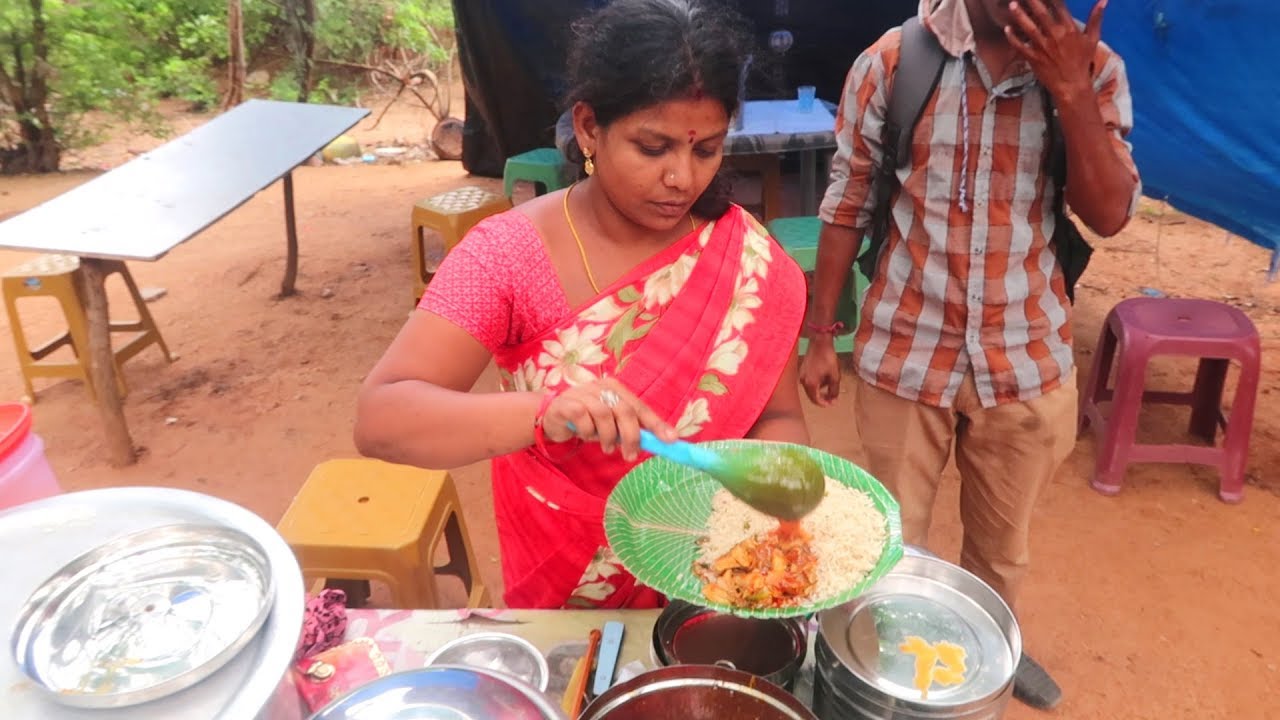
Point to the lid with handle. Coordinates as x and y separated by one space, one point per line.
929 634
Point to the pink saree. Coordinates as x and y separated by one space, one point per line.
701 333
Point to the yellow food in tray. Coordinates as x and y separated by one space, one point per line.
940 663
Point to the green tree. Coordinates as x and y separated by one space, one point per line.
25 73
60 59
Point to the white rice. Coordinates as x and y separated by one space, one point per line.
848 533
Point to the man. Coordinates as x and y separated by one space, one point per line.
965 333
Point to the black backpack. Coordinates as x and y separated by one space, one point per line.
919 68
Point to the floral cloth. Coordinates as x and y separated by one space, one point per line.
324 624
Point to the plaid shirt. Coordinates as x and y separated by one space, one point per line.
967 281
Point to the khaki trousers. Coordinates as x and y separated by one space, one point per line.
1005 454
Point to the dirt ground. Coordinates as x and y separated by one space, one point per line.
1157 603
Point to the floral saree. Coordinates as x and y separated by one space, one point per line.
701 333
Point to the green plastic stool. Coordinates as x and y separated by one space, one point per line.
799 237
543 167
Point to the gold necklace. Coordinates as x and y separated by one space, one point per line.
582 251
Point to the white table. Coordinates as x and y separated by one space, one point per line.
150 205
778 126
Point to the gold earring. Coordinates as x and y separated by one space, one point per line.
588 165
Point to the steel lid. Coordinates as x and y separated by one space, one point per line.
938 602
144 615
496 652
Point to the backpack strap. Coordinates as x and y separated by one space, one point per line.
1069 246
920 63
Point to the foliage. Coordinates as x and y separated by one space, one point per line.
122 56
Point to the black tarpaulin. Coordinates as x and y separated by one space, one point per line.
513 55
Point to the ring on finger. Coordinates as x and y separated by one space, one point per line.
609 398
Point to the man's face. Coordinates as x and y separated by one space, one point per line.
997 12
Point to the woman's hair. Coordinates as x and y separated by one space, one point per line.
634 54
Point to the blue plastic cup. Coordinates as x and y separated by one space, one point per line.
804 98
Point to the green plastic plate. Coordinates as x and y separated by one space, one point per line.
658 512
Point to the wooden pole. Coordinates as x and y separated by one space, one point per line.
102 366
291 230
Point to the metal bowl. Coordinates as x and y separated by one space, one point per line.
144 616
771 648
442 692
54 531
497 652
696 692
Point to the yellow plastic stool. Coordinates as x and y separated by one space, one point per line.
55 276
451 214
362 519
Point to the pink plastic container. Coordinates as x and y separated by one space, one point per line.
25 474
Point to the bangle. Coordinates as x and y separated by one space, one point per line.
832 329
539 437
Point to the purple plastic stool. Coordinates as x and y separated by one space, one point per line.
1137 330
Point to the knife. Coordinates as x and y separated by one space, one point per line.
610 646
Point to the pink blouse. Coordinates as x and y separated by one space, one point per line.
498 284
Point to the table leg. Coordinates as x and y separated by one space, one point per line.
809 182
102 366
291 230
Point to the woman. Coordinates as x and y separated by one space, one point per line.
637 298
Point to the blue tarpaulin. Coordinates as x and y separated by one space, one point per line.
1206 98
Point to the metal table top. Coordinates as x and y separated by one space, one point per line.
146 207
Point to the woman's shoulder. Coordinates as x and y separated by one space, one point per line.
499 236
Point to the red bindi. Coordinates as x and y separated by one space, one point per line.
692 134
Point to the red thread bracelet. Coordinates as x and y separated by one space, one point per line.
832 329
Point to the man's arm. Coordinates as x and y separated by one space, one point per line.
1102 181
847 208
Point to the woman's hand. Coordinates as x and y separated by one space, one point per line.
603 411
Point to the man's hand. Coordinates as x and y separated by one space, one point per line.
820 371
1060 54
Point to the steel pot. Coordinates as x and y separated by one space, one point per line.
455 692
696 692
773 649
45 535
861 672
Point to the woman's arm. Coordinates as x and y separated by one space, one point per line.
783 417
415 407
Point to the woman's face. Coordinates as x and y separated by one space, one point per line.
654 163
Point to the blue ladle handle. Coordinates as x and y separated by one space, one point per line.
678 452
